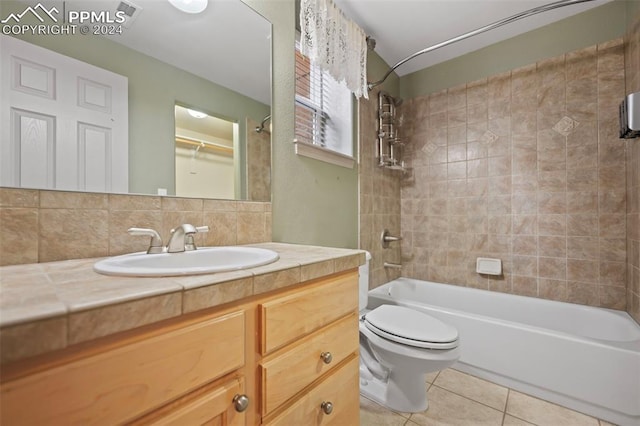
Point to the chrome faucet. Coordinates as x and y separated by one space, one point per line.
182 238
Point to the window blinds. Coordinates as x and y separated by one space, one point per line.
313 102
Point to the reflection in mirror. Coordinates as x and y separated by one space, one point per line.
204 155
217 61
259 159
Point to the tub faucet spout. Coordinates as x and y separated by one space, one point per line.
387 238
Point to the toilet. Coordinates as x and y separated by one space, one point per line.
398 347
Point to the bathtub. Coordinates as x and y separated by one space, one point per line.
584 358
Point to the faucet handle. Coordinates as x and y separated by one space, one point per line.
155 246
189 242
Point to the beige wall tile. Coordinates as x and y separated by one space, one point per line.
220 205
134 202
15 197
18 235
181 204
251 228
71 225
550 201
120 242
222 228
73 234
73 200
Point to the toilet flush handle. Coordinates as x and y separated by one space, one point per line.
326 357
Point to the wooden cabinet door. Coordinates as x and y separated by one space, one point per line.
118 384
341 389
212 405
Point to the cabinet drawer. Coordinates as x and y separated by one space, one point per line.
341 389
288 318
210 405
339 339
121 383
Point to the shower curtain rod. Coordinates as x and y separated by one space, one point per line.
505 21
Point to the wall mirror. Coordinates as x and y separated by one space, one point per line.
217 62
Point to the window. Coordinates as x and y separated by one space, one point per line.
323 115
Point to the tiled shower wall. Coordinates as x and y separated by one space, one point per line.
258 161
632 74
379 198
44 226
524 166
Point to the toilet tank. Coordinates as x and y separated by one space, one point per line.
363 287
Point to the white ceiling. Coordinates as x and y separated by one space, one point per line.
403 27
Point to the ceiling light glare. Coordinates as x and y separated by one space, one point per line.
190 6
196 114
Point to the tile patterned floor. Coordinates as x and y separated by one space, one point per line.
459 399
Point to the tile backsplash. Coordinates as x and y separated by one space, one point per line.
44 226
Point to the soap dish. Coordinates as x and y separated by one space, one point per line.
488 266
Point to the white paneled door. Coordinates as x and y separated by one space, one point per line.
64 123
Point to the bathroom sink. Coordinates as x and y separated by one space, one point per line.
205 260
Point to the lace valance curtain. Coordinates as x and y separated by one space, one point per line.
334 43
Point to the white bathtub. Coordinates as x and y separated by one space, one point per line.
581 357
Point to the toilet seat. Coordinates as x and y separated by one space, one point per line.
411 327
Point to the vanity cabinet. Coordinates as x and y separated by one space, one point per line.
119 380
287 357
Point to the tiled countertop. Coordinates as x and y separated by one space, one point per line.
49 306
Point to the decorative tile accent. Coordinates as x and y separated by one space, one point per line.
429 148
490 137
566 126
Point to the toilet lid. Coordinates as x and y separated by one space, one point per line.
411 327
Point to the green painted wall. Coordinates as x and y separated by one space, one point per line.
154 88
313 202
376 69
633 10
594 26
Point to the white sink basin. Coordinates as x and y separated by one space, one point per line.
205 260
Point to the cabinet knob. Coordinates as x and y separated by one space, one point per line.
327 407
240 402
326 357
